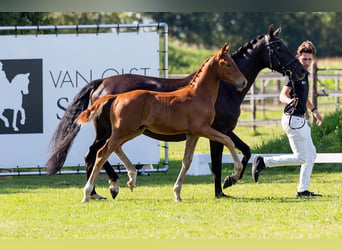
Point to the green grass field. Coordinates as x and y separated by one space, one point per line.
43 207
49 207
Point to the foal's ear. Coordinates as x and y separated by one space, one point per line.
227 47
225 50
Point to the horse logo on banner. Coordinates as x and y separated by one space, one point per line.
21 96
15 90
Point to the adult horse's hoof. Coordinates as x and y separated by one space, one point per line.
228 181
97 197
222 195
114 191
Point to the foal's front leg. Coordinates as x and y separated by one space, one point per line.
215 135
190 145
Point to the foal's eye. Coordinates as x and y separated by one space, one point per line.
228 65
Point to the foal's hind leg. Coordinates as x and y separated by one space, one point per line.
113 177
190 145
90 159
103 132
101 158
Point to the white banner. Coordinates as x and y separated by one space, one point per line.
40 75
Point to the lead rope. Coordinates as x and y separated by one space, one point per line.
294 96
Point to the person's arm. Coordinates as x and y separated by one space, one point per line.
315 113
284 97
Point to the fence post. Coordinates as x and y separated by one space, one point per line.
276 100
314 84
262 102
337 88
253 107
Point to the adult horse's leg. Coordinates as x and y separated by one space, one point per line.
113 179
216 149
245 150
190 145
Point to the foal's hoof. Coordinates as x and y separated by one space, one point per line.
114 191
178 199
130 186
222 195
228 181
85 200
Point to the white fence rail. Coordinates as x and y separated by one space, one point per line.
200 163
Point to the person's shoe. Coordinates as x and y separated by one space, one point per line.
257 166
307 193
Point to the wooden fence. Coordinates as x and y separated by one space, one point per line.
325 93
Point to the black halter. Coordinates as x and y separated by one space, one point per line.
284 68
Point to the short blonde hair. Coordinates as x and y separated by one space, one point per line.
306 47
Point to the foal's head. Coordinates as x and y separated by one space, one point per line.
228 70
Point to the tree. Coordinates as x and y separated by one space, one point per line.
23 19
208 29
213 29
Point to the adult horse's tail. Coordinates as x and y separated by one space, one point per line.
95 109
67 128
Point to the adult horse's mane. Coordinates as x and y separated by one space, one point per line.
239 52
248 45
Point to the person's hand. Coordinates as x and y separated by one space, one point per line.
318 118
294 102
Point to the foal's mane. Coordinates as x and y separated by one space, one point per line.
198 72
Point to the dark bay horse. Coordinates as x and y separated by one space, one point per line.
264 51
189 110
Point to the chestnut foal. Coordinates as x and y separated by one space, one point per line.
188 110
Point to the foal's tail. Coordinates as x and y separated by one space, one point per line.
67 128
94 110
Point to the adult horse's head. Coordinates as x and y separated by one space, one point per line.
279 57
230 71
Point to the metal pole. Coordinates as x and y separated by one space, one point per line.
165 69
